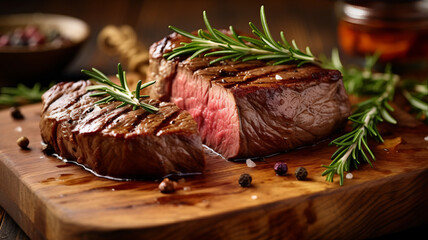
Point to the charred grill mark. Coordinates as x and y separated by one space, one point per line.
138 120
221 75
108 118
159 50
91 121
163 44
127 122
68 120
245 77
75 105
168 120
167 44
229 74
76 110
224 73
78 89
217 71
75 100
62 100
112 120
89 110
285 75
48 99
63 117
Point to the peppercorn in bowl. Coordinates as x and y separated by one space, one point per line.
33 46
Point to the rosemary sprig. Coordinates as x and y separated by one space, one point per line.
417 96
367 83
21 94
357 81
119 92
236 47
353 146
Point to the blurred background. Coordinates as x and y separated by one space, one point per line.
370 26
310 22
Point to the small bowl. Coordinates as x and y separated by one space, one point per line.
26 64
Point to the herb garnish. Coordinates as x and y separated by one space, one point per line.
358 81
120 93
243 48
353 146
21 94
417 95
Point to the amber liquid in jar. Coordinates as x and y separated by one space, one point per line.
398 30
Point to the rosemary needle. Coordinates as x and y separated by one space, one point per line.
21 94
417 95
119 92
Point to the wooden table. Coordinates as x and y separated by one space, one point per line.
309 22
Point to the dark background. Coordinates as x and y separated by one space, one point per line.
309 22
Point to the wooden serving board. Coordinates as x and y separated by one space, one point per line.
51 199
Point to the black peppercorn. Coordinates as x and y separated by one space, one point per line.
280 168
23 142
245 180
16 113
301 173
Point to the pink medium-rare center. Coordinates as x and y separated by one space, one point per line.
212 108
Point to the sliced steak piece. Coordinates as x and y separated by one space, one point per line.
119 142
248 109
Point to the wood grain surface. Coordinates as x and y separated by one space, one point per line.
51 199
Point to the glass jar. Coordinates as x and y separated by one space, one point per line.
397 29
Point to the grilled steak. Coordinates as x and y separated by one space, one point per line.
119 142
247 109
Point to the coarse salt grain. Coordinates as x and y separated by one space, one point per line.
18 129
254 197
426 138
278 77
250 163
349 176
